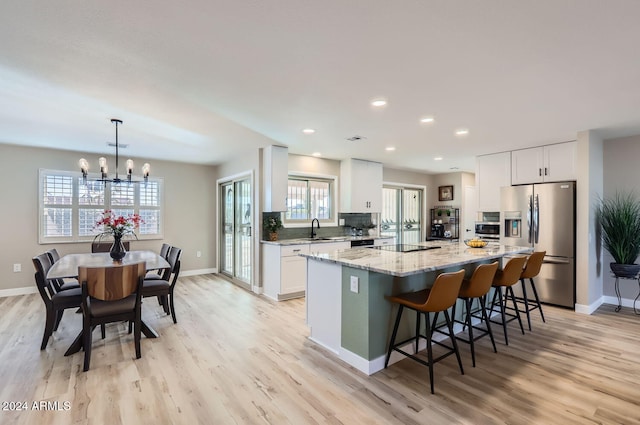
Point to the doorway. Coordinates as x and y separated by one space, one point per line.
402 217
236 224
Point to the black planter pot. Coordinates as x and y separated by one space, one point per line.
625 270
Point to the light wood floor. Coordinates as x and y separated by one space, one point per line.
236 358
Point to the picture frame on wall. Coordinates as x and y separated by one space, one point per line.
445 193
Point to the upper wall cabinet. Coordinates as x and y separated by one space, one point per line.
360 186
276 176
492 172
550 163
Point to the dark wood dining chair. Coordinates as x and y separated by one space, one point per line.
157 274
61 284
164 288
99 246
110 294
55 301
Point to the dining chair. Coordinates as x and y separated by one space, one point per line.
56 302
439 298
506 278
61 284
157 274
98 246
531 270
164 287
477 287
110 294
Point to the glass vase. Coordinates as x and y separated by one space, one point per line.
117 251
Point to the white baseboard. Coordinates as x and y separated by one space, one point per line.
590 308
198 272
370 367
18 291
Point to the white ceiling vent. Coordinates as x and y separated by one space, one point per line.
356 138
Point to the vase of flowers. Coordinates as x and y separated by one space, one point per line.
271 226
118 227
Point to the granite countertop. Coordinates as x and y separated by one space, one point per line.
450 254
302 241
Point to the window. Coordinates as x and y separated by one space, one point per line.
309 198
70 207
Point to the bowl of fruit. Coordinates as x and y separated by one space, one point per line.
475 243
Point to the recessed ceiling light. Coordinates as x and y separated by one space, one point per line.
316 154
308 131
426 120
462 132
379 102
437 158
390 148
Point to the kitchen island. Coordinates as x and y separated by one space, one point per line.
346 309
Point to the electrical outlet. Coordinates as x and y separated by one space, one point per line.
341 222
354 284
198 254
17 268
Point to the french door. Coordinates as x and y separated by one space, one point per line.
236 224
401 216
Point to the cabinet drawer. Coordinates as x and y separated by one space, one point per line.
292 250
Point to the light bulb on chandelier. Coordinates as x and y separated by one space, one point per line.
104 168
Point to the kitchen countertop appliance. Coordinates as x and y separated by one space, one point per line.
543 217
489 230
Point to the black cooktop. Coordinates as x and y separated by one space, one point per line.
404 247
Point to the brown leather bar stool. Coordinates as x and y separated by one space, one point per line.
477 287
506 278
531 270
440 297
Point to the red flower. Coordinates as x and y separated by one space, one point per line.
118 225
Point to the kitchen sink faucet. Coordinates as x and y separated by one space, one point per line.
313 234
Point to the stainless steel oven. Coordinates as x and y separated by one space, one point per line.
488 230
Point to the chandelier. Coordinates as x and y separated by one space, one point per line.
104 169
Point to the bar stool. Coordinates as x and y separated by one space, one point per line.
477 287
506 278
440 297
531 270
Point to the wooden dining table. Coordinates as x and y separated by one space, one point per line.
67 267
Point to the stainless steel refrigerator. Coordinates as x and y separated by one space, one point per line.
543 216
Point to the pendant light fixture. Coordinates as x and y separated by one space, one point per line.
104 168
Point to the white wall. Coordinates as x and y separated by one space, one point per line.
189 210
589 188
621 158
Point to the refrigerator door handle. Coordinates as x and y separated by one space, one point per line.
529 227
536 219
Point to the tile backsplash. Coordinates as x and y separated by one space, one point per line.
357 220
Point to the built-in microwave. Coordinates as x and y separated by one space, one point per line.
488 230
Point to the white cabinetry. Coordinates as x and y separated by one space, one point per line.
492 172
276 176
549 163
360 186
285 271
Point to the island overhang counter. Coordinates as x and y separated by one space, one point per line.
347 312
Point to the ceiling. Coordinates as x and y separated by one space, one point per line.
206 81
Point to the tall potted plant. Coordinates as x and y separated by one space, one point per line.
619 220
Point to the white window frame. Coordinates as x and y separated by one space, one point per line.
76 207
333 189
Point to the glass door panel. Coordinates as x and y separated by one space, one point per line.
236 251
226 241
411 216
243 227
401 216
390 212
